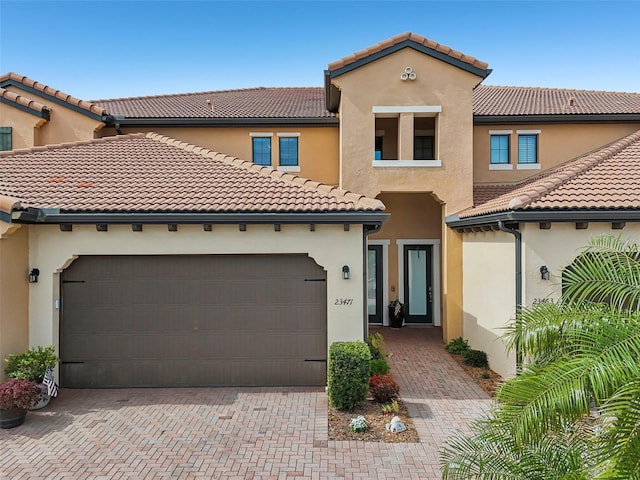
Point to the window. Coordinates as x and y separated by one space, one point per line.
423 147
262 150
528 148
499 149
289 151
378 154
5 138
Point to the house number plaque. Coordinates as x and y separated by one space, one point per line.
343 301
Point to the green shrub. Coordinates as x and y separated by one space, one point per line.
457 346
376 345
475 358
348 374
32 364
383 388
378 366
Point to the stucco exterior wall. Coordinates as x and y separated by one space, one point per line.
556 248
14 291
556 144
330 246
24 125
437 84
65 124
489 295
317 146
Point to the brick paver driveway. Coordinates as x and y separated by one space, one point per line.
231 433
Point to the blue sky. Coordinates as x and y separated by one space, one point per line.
109 49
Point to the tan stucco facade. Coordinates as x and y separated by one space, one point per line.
52 250
318 148
557 143
14 290
64 125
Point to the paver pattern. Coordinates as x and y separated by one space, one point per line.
241 433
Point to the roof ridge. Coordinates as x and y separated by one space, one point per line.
60 95
407 36
24 101
57 146
570 170
307 184
204 92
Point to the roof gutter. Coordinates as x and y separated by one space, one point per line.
555 118
454 221
518 279
228 122
44 216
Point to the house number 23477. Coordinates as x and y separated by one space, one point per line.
343 301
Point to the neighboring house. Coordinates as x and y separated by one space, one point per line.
470 174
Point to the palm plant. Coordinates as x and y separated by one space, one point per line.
574 410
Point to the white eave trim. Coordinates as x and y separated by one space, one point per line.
407 109
406 163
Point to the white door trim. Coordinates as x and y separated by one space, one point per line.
385 278
435 271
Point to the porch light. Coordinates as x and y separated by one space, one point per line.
544 272
345 272
33 275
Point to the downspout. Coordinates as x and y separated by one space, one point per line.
518 239
366 231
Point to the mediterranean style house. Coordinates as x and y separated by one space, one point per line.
229 237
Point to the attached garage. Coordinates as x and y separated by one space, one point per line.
193 320
163 264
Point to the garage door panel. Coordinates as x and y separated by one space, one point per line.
193 321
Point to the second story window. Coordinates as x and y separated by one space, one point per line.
499 149
423 147
5 138
261 148
527 148
288 151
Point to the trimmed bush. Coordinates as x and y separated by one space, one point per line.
376 345
475 358
379 366
457 346
348 374
383 388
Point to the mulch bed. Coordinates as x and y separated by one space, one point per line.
486 379
339 424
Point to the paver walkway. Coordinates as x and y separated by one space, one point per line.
231 433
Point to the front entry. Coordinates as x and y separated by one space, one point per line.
374 284
418 288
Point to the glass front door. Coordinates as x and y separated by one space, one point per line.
418 291
374 284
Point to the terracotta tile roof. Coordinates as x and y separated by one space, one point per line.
395 40
14 78
12 97
300 102
605 179
496 100
141 173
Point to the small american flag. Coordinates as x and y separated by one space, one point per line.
52 388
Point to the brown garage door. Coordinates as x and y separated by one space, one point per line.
201 320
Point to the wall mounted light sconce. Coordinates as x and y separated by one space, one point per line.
33 275
544 272
345 272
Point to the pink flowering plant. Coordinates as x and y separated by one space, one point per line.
15 393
